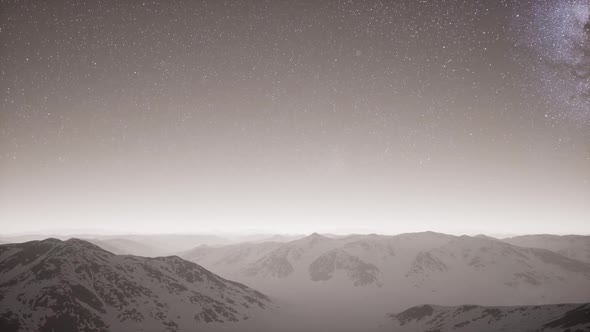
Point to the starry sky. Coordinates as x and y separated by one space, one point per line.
458 116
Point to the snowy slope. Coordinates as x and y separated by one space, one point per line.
74 285
488 271
471 318
572 246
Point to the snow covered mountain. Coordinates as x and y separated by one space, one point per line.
572 246
472 318
322 283
73 285
402 270
498 273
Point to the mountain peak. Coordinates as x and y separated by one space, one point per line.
51 240
313 238
82 243
75 242
479 239
425 233
118 292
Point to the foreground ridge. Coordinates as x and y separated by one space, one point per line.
74 285
467 318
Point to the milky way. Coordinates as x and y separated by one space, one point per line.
556 35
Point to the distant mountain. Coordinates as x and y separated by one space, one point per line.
128 247
499 273
73 285
402 270
159 244
270 238
472 318
572 246
174 243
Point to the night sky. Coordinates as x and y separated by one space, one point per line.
295 116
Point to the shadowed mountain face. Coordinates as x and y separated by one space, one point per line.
73 285
471 318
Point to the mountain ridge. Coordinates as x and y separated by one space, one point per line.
411 267
76 285
475 318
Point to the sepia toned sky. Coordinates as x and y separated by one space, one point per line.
457 116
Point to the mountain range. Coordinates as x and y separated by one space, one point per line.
313 283
401 271
153 245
